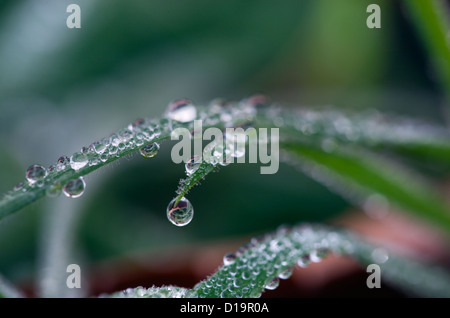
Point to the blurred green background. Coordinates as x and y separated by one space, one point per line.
61 89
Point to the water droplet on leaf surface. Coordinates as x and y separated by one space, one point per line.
273 284
229 259
182 110
286 273
78 160
35 173
193 164
149 151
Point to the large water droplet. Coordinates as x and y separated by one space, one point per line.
193 164
149 151
273 284
35 173
180 213
78 160
74 188
229 259
182 110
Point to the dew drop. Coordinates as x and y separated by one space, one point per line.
35 173
113 150
304 261
180 213
115 140
318 254
78 160
74 188
258 101
229 259
380 255
193 164
286 273
104 157
126 134
182 110
100 146
235 144
62 163
19 186
149 151
273 284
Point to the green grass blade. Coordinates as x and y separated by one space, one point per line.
430 18
329 127
263 260
356 175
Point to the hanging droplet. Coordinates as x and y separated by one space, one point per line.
273 284
286 273
193 164
318 254
74 188
180 213
149 151
303 261
229 259
35 173
78 160
182 110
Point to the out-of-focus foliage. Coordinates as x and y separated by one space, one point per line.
68 87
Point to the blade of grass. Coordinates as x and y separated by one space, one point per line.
357 174
430 18
264 259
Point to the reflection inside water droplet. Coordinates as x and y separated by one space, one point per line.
78 160
149 151
180 213
273 284
229 259
286 273
193 164
35 173
74 188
